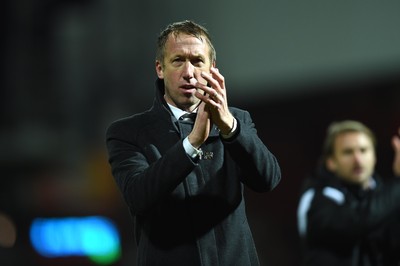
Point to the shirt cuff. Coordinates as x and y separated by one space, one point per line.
190 150
232 132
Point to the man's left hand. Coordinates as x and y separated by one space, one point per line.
216 100
396 147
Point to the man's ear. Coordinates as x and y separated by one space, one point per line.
331 164
159 70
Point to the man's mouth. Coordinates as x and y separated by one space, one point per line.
358 170
188 87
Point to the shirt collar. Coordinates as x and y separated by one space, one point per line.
372 183
178 112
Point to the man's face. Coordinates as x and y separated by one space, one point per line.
353 158
185 58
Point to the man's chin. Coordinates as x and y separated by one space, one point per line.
189 104
359 179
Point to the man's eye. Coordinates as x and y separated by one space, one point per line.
177 61
198 62
347 152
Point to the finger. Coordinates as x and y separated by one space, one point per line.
210 91
213 83
396 143
218 77
213 100
201 95
202 91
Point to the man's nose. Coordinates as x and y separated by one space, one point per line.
188 71
358 157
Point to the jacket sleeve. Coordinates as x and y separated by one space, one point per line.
259 168
143 184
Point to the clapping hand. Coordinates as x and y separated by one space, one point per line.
215 99
396 147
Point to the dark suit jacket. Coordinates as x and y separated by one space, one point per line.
189 212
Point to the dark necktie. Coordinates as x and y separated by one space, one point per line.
188 117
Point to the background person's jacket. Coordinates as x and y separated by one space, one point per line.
342 225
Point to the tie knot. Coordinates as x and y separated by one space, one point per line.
191 117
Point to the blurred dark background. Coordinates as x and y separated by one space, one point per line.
71 67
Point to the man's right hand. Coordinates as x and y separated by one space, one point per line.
396 147
201 128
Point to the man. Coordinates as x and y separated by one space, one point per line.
182 180
347 215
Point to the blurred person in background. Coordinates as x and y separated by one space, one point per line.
347 214
182 165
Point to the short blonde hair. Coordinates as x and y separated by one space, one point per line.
337 128
185 27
